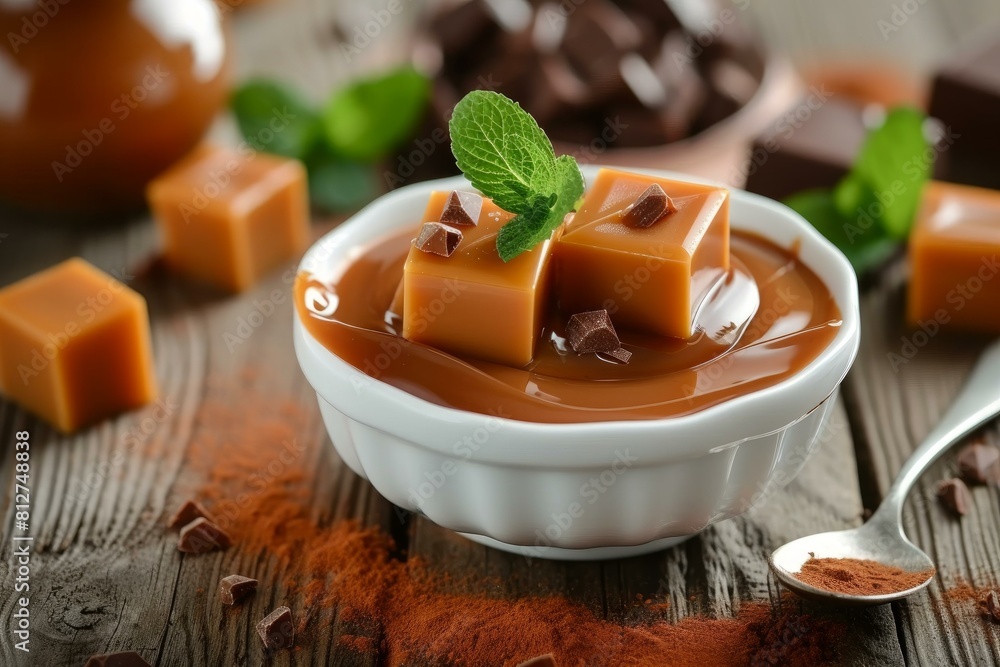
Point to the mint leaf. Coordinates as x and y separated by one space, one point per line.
888 175
368 118
506 156
864 249
275 119
501 150
336 184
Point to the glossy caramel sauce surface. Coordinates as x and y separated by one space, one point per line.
769 319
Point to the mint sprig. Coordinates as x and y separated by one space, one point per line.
871 210
506 156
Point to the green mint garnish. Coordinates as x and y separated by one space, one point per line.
361 124
873 207
506 156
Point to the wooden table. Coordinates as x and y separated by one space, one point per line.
106 575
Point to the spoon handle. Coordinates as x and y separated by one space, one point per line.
977 402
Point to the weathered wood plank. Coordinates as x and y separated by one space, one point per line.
896 401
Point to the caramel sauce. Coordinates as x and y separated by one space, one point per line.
766 321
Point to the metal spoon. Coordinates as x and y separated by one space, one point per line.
881 538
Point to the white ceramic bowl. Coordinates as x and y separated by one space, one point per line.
578 491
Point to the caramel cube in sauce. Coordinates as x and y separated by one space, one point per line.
228 217
75 345
651 278
472 303
954 250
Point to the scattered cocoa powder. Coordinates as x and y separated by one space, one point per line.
859 577
257 457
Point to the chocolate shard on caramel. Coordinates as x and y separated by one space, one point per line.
462 208
621 355
187 513
438 239
276 630
954 494
201 536
979 463
651 206
235 588
592 332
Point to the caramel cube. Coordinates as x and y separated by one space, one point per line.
651 278
472 303
75 345
953 259
229 217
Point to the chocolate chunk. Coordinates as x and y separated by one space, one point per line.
236 588
651 206
620 355
201 536
979 463
547 660
187 513
276 630
954 495
989 604
438 239
592 332
123 659
462 208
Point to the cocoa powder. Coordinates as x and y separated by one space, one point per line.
258 474
853 576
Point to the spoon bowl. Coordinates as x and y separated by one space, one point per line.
876 540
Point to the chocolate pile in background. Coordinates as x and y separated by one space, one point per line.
585 70
966 97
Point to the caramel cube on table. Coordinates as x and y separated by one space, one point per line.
472 303
650 279
229 217
75 345
954 248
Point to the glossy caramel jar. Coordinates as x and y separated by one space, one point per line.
98 96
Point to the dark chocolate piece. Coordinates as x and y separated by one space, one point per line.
123 659
276 630
592 332
547 660
235 588
462 208
187 513
954 495
979 463
965 97
438 239
651 206
201 536
989 604
811 146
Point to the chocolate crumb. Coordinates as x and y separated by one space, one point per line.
276 629
979 463
954 494
201 536
438 239
123 659
650 207
989 605
462 208
235 588
187 513
547 660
